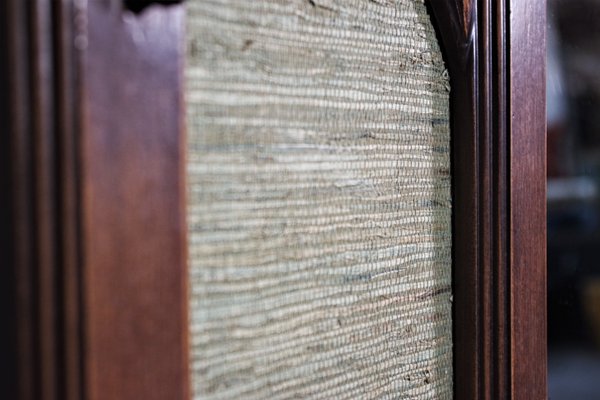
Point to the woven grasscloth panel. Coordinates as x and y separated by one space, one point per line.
319 200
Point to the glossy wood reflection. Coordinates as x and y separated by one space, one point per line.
94 296
499 195
133 222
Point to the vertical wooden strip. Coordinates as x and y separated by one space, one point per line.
499 196
42 115
528 199
21 216
8 311
134 269
69 255
501 293
487 200
459 35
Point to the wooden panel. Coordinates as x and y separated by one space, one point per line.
499 196
528 199
115 199
133 223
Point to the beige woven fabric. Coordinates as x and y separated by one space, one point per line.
319 200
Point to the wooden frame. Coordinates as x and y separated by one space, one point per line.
94 227
495 51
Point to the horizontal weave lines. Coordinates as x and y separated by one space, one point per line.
319 200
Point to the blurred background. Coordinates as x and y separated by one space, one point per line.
573 95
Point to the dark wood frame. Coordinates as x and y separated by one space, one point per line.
93 229
495 50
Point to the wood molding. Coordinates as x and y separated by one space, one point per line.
527 242
497 104
94 232
133 222
40 243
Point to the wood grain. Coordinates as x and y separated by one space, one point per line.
528 199
133 221
93 229
498 195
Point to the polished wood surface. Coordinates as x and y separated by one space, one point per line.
528 199
92 227
459 43
93 230
68 124
32 230
497 104
132 204
19 336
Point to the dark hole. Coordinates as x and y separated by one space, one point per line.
137 6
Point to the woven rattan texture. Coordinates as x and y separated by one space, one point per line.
319 200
